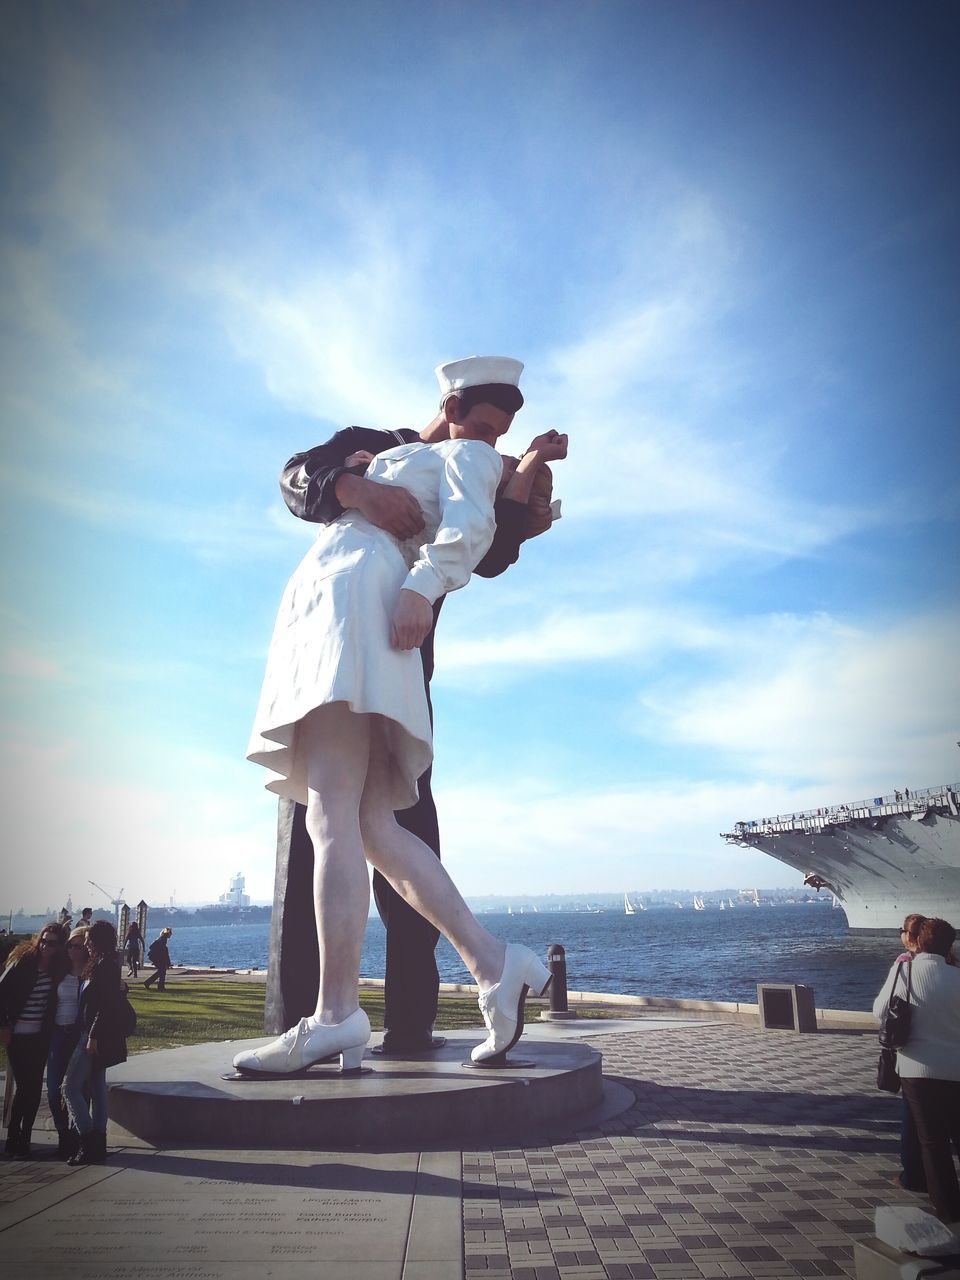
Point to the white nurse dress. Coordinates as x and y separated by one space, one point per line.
331 641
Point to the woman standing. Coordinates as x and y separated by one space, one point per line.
929 1063
28 988
911 1176
63 1041
133 949
101 1044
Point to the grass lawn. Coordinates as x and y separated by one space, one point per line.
205 1009
195 1011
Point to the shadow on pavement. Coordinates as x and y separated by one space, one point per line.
800 1119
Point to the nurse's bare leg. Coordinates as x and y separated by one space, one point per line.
336 743
503 974
417 875
336 746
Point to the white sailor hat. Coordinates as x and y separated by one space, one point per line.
482 371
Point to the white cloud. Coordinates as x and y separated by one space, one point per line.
24 664
333 344
526 837
73 815
575 637
216 532
865 707
808 711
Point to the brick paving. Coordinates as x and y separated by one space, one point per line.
746 1154
743 1154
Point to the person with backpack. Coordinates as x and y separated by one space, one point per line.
159 957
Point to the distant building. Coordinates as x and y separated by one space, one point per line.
235 897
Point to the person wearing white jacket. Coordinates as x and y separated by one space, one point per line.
929 1063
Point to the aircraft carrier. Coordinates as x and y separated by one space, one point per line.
882 858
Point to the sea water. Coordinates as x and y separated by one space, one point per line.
699 955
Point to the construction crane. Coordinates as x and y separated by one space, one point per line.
115 902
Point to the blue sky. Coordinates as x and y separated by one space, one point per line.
723 238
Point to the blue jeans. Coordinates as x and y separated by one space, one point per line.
84 1079
62 1044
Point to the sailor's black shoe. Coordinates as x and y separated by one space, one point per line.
402 1044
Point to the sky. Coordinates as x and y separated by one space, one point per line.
722 236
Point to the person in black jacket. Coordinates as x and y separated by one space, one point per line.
101 1045
318 486
133 949
159 957
28 992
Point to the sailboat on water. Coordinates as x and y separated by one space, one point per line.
628 908
698 904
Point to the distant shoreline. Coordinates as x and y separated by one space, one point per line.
165 917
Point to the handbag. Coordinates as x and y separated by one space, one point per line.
895 1023
126 1016
888 1077
894 1033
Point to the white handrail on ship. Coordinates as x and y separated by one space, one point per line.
880 806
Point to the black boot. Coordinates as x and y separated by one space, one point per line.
12 1143
23 1146
88 1151
68 1144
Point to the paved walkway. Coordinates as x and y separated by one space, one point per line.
742 1154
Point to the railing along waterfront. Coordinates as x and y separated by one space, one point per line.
919 800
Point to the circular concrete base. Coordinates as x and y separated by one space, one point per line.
179 1095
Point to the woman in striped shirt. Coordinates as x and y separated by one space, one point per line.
28 991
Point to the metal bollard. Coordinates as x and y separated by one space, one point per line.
557 964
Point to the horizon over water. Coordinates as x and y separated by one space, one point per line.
695 955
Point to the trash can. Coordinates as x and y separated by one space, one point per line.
786 1006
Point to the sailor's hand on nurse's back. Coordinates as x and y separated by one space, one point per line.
411 621
551 446
389 507
359 459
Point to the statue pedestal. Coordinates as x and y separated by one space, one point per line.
178 1096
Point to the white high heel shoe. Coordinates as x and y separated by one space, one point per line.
502 1004
307 1043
